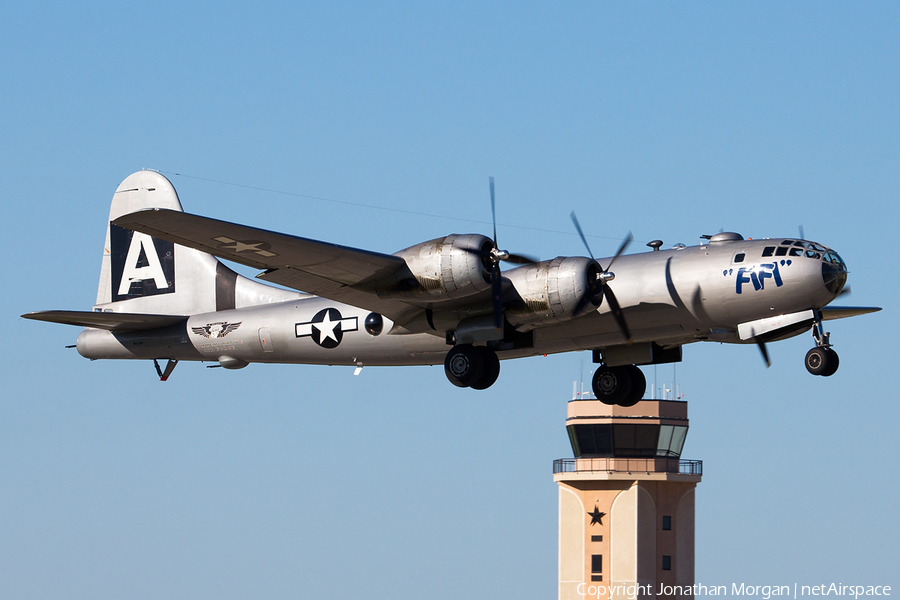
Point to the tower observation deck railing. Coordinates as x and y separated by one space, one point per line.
628 465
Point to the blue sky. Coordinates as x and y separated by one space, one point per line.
670 120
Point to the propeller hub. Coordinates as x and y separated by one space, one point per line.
497 254
606 276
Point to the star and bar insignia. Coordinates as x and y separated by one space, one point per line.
238 246
327 328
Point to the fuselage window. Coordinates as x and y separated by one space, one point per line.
768 250
739 257
781 251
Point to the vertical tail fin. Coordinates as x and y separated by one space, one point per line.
136 267
143 274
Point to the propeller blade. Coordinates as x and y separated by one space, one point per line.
762 348
617 312
493 211
802 237
579 307
497 295
621 249
581 233
521 259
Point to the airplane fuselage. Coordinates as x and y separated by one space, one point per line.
673 297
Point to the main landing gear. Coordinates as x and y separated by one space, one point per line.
624 385
821 360
471 366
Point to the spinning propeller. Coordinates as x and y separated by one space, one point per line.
493 258
598 282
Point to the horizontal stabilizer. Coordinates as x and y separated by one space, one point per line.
830 313
111 321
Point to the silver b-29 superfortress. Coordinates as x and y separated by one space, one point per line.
164 296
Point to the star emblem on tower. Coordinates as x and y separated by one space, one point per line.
597 516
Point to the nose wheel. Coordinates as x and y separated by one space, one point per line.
821 360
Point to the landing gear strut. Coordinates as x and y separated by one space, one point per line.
624 386
471 366
821 360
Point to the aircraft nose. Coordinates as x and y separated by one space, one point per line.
834 272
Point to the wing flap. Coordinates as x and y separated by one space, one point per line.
395 310
116 322
829 313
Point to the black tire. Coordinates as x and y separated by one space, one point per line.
611 385
817 361
491 369
833 363
638 387
463 365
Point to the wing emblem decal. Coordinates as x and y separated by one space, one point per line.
327 328
238 246
216 330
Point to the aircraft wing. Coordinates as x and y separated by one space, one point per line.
830 313
116 322
339 273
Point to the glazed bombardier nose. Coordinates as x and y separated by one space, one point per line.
834 272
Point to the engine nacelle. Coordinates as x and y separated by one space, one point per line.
451 267
550 291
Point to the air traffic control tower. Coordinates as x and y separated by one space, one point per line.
626 501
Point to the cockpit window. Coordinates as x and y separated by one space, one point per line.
781 251
812 254
796 252
816 246
787 242
739 257
768 250
801 244
833 257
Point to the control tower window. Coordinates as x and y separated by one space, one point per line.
596 563
671 440
667 523
667 563
677 441
626 440
635 440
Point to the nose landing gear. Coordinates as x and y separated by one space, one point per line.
821 360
